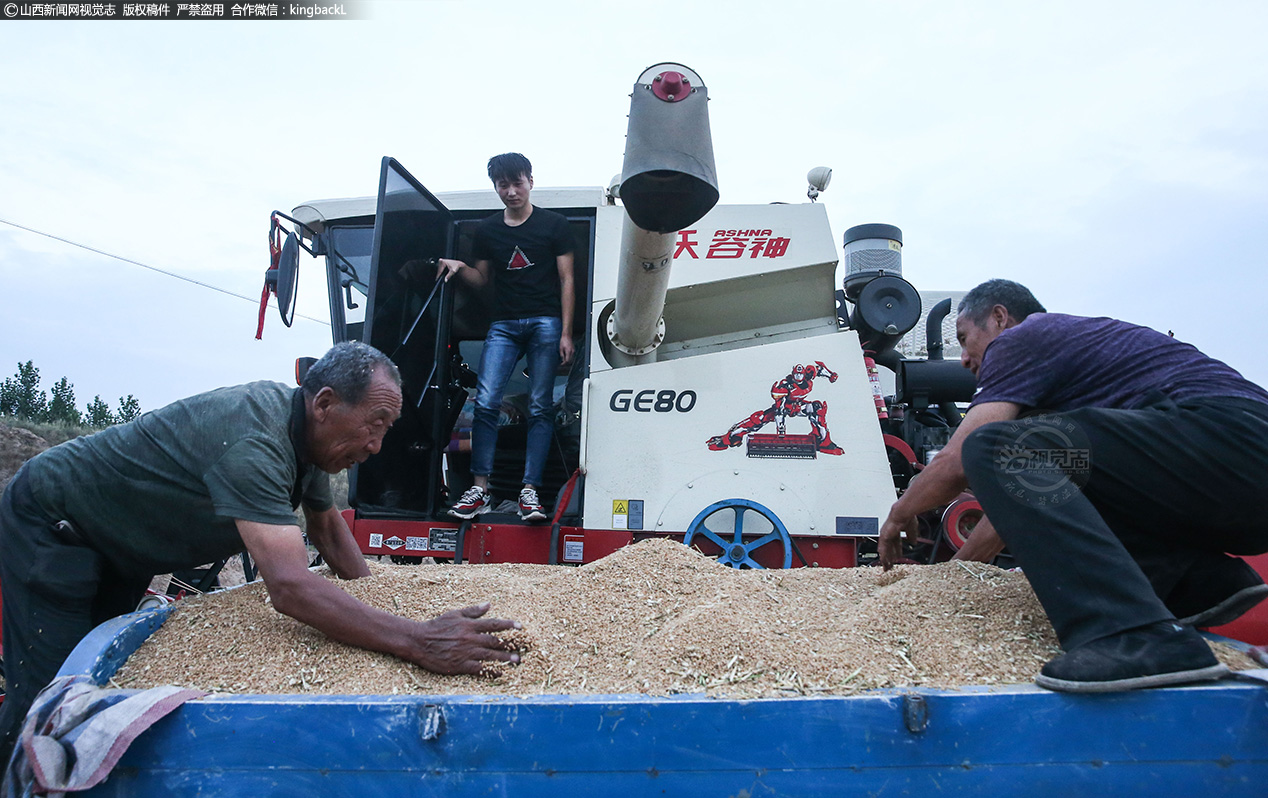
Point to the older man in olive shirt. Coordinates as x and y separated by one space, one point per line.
85 525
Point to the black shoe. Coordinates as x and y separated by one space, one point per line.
1216 591
1159 654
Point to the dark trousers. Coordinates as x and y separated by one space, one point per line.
56 589
1107 510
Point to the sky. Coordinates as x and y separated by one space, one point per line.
1112 156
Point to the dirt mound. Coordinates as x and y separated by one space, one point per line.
16 447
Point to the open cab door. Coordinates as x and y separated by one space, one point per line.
408 317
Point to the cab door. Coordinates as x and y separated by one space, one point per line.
408 317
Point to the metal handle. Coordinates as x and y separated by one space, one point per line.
585 416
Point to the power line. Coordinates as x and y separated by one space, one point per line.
254 302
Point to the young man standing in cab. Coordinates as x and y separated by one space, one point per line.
527 253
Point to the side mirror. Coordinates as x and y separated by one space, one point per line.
281 278
284 278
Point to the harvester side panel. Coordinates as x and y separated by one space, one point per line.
648 429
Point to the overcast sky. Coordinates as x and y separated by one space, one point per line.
1110 155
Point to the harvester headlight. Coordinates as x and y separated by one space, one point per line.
818 178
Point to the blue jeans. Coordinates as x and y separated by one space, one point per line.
538 339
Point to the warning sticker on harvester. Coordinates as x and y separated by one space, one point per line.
415 543
574 548
627 514
376 541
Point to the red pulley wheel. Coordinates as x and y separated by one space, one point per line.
959 519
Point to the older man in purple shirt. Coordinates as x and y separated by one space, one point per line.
1120 466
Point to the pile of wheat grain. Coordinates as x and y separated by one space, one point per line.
654 618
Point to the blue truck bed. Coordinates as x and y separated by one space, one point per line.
1208 740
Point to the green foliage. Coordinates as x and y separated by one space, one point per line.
98 414
129 409
61 409
22 400
21 395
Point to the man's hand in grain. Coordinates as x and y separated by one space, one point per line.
889 545
462 641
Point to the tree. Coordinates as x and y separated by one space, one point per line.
8 398
129 409
20 395
62 407
98 414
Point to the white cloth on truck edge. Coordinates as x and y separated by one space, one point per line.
75 733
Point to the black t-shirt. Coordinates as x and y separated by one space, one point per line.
522 262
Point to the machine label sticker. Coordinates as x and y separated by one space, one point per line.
376 541
857 526
636 514
790 399
443 539
394 542
415 543
733 244
574 548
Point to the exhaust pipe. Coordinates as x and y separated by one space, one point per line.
933 329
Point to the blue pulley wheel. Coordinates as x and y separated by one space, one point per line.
728 522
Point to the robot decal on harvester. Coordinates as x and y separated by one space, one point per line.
790 395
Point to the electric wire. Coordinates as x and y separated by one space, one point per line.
254 302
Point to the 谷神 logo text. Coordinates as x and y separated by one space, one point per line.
738 243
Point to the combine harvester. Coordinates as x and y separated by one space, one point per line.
732 402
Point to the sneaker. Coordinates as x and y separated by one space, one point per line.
530 508
474 502
1158 654
1216 592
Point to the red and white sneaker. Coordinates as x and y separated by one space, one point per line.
472 503
530 508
